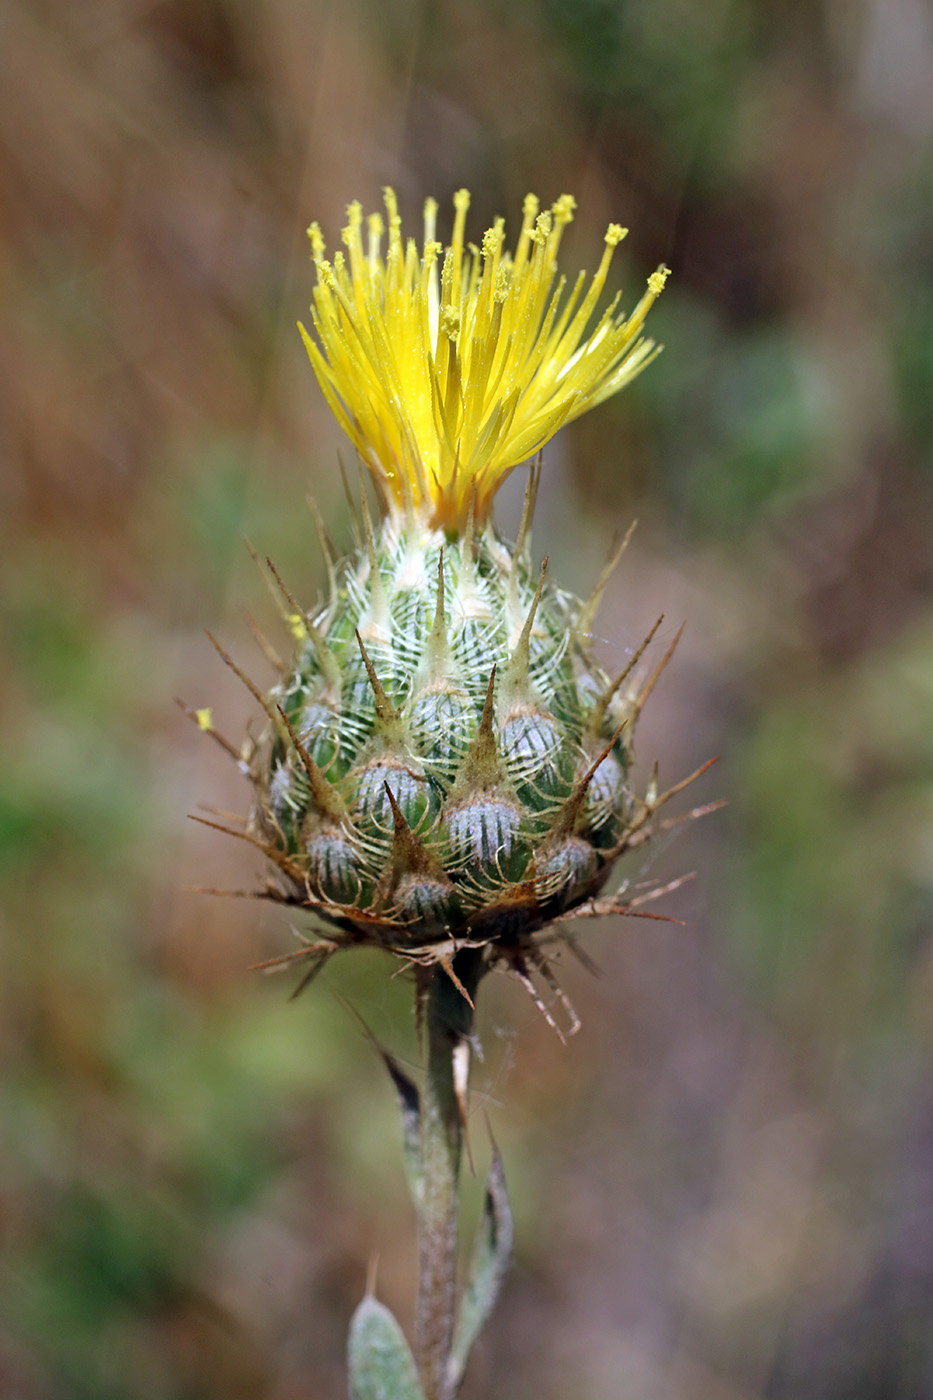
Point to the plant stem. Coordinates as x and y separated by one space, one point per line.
449 1024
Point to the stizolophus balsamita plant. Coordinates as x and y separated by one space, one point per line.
445 770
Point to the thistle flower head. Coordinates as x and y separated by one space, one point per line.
445 765
446 368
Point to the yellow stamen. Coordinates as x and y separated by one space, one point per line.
204 718
448 371
657 279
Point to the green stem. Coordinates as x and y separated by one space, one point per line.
449 1024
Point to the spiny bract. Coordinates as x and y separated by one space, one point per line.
449 762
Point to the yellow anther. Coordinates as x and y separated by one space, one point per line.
657 279
462 201
503 280
317 241
391 204
492 240
614 235
432 251
450 322
542 229
430 221
351 234
375 225
563 208
297 627
531 206
325 272
204 718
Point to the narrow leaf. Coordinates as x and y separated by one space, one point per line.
491 1254
380 1361
410 1104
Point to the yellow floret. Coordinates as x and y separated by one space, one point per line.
447 373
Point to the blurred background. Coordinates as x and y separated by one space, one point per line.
724 1183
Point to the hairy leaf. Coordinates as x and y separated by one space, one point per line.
491 1254
380 1361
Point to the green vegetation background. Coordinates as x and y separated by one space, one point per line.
725 1182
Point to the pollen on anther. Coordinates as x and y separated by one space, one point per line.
657 280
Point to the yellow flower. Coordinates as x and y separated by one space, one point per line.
447 372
